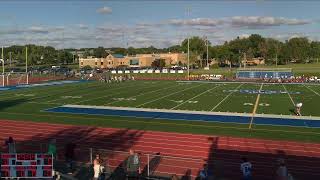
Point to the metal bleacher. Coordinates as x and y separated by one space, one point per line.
251 73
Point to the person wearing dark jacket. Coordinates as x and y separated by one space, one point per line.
69 155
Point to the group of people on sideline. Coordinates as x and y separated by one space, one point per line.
132 166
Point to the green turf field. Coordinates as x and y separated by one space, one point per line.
29 103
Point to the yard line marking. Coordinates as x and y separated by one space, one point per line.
167 95
289 95
103 96
144 93
226 97
195 97
255 107
312 90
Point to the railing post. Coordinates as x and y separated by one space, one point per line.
148 165
91 155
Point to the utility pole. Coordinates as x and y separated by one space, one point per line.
2 67
27 65
10 58
207 52
188 13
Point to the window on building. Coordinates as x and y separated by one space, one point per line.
109 62
101 63
81 63
96 63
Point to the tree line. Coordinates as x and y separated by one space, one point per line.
299 50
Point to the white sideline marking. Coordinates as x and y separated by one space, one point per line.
195 97
226 97
312 90
167 96
289 95
144 93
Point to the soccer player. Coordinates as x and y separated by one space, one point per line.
298 109
246 168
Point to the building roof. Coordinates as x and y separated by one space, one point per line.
118 55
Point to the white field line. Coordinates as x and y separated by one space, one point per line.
312 90
31 90
195 97
255 107
226 97
111 94
144 93
199 148
167 96
289 95
84 94
192 112
48 103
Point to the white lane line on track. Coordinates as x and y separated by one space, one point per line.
226 97
167 96
194 97
228 143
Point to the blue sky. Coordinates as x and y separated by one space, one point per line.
108 23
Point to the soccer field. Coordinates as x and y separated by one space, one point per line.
233 98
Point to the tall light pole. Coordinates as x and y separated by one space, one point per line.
207 52
27 65
2 60
188 13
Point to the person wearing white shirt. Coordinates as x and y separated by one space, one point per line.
246 169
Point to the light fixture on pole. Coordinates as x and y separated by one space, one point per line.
27 65
2 61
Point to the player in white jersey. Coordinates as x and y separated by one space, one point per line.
246 169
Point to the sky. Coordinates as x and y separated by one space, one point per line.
160 23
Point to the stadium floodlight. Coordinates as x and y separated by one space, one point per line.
2 60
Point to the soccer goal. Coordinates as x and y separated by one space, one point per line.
16 78
260 73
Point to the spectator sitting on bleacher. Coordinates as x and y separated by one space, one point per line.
11 145
174 177
246 168
52 149
205 173
133 165
69 155
282 171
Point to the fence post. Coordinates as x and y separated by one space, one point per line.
148 165
91 155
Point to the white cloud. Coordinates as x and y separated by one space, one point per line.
239 21
263 21
83 26
38 29
196 22
104 10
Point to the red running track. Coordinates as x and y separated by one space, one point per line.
182 154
